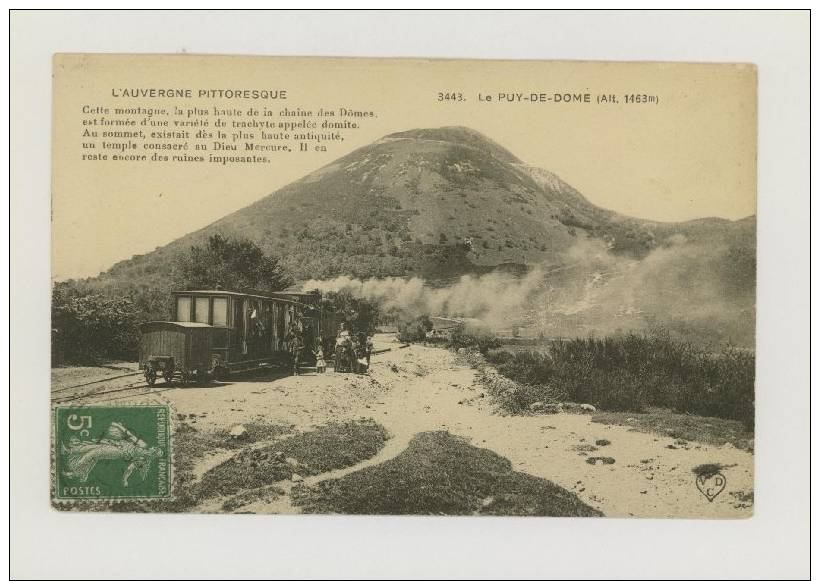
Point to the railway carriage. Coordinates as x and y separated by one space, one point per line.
217 332
175 349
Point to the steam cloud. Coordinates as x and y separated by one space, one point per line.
687 289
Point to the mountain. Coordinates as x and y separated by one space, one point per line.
429 202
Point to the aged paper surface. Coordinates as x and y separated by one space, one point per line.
403 286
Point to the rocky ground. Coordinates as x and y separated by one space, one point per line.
411 391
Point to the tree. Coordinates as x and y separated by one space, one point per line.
237 264
359 314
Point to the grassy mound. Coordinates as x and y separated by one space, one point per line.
328 447
441 474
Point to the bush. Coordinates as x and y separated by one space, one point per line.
632 372
499 356
91 328
414 329
527 367
473 338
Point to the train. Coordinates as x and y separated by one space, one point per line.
217 332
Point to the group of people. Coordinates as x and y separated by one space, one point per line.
350 354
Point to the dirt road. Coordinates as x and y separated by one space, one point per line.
421 389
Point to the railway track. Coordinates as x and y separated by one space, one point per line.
105 379
107 389
104 387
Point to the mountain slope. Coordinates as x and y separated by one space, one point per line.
430 202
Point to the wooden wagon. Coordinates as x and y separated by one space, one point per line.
175 349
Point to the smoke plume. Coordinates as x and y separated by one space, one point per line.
697 292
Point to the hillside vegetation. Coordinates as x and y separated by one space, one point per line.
440 203
428 202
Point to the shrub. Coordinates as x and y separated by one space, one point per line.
632 372
414 329
499 356
527 367
91 328
472 338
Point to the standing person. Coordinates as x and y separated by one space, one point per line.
320 357
368 349
342 340
359 352
295 345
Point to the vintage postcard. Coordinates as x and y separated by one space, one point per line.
405 287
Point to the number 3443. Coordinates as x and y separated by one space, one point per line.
451 96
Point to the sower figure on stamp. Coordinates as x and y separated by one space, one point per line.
118 443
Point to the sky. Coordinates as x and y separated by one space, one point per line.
690 154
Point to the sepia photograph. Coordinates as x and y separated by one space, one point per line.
532 293
409 294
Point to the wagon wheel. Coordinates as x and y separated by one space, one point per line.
168 376
150 375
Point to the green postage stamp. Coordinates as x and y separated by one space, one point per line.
111 453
